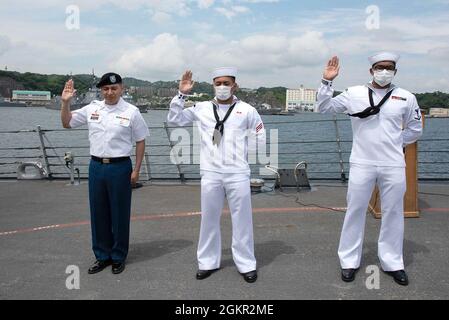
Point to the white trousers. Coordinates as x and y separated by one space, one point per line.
236 188
392 184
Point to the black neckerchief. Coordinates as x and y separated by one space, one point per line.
219 127
373 110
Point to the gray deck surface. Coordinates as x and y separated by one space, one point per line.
296 247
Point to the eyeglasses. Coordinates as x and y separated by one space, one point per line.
384 67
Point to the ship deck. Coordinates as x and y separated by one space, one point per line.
44 227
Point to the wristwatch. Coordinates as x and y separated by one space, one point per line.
326 82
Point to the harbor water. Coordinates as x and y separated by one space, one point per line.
305 137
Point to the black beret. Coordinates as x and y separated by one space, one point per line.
108 79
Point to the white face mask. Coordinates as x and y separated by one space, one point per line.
384 77
223 92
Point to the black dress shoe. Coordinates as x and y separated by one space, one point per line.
203 274
118 267
250 277
99 266
399 276
348 275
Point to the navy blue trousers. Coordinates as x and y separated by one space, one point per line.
110 209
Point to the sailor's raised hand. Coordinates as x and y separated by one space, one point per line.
186 83
332 69
69 91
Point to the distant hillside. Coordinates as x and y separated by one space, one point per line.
433 100
132 82
53 82
274 96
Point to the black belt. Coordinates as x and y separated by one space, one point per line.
109 160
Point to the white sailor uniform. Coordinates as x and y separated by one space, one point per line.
376 157
225 172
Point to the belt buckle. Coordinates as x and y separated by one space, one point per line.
106 161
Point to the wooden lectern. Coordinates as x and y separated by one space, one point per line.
411 209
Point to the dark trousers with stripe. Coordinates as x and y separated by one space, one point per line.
110 209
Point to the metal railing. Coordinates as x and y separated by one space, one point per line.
157 164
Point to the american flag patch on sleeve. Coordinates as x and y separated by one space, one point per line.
259 127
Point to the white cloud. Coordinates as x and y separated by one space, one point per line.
430 85
278 51
261 55
159 10
240 9
270 54
260 1
440 53
232 11
204 4
161 17
5 44
163 55
202 26
226 12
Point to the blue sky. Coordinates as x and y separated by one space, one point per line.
272 42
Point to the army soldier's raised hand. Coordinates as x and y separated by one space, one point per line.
67 94
69 91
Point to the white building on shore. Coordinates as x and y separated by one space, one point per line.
301 99
31 97
439 113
